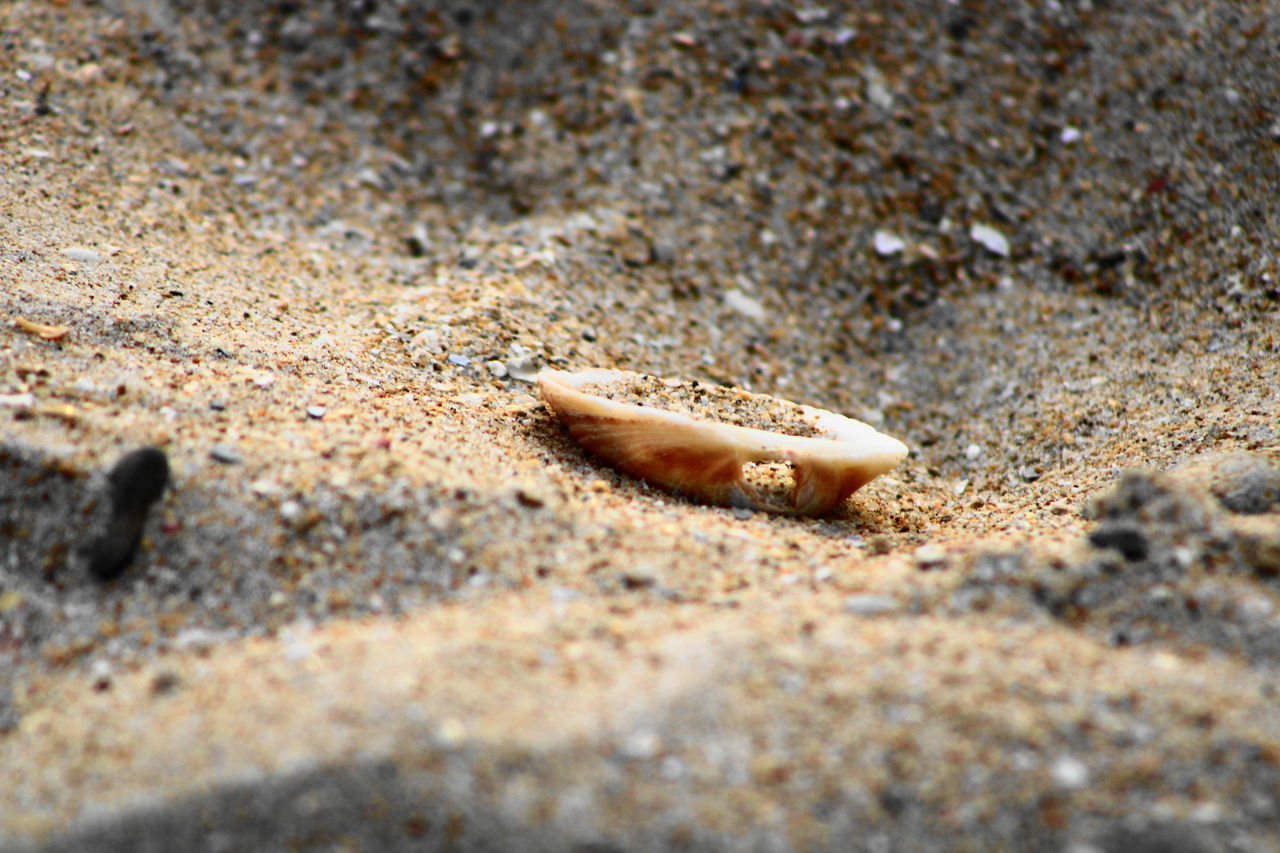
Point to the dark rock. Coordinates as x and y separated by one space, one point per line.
1130 541
137 481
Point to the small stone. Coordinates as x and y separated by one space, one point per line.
418 241
1251 486
1130 541
529 499
972 452
641 744
1069 135
459 360
1069 772
17 401
876 91
165 683
640 577
451 732
662 252
264 488
870 605
523 368
316 412
1255 608
930 557
888 243
264 380
137 481
880 543
497 369
224 453
991 239
745 305
76 253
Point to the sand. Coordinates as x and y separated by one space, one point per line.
315 254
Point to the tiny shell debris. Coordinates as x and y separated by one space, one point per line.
48 333
706 460
991 239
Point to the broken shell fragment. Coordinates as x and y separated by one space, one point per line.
705 459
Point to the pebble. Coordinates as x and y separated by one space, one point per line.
662 252
1252 485
887 243
870 605
1129 540
265 488
991 239
523 368
1255 608
225 454
76 253
1069 772
639 577
265 380
459 360
316 412
640 745
744 304
17 401
930 557
497 369
137 481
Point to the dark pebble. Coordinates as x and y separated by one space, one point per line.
164 682
137 481
1130 541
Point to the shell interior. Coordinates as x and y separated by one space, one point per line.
705 459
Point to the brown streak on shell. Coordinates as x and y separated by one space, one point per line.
704 460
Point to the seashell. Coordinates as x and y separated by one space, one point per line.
704 459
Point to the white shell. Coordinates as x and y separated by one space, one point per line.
704 460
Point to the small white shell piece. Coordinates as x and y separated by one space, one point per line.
704 460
